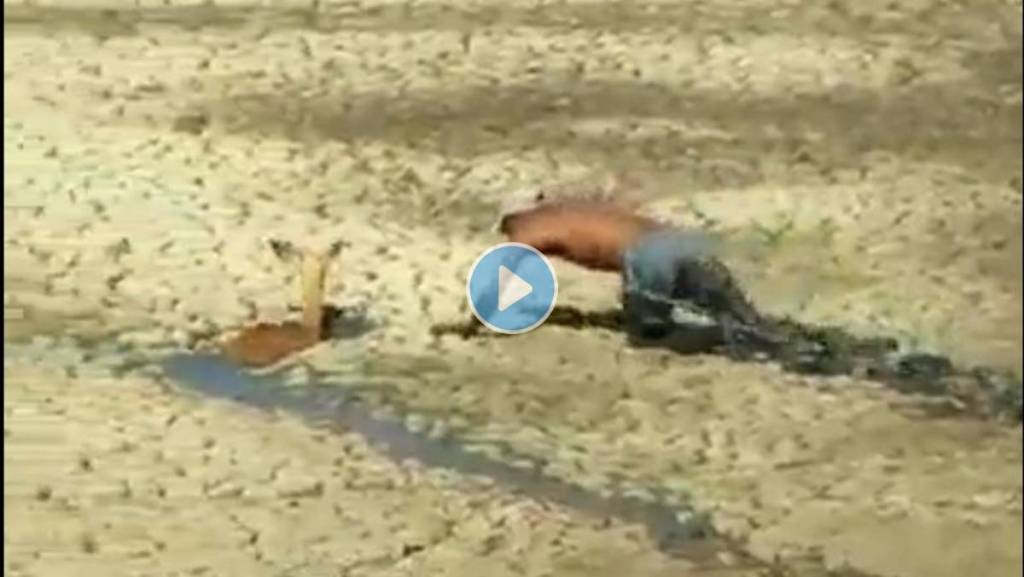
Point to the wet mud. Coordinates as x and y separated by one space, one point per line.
811 350
324 403
681 531
685 533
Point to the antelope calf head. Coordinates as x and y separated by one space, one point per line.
313 264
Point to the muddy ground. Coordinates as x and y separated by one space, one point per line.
859 160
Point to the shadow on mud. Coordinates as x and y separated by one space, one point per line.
811 350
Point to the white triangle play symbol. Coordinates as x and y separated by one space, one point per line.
511 288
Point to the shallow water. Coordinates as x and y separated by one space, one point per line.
322 403
679 532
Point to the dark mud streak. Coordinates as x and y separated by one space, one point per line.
325 404
322 403
830 351
820 351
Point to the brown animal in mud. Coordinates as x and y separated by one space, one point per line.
265 344
591 233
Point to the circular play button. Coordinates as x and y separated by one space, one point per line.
512 288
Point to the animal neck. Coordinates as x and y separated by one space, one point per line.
313 269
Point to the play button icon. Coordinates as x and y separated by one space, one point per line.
512 288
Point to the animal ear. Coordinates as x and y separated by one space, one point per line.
283 249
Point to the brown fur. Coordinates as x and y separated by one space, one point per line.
265 344
593 234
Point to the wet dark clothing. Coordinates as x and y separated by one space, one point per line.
671 281
677 295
